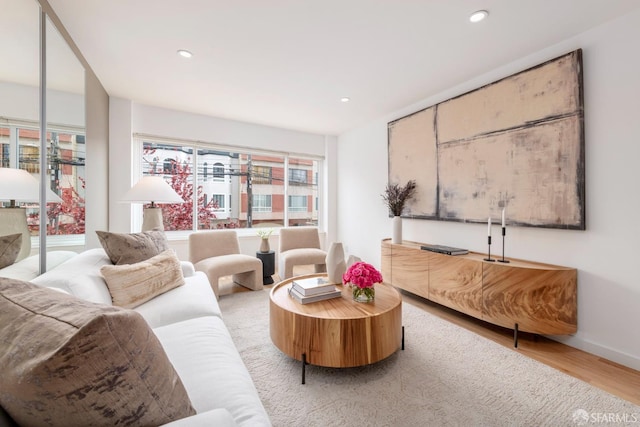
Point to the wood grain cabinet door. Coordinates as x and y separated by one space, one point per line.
409 269
539 300
456 282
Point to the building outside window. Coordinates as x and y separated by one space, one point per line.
252 183
303 180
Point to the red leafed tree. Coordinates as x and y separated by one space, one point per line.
179 216
65 218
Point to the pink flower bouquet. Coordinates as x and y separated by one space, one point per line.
362 277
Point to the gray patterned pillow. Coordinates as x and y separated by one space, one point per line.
69 362
129 248
9 249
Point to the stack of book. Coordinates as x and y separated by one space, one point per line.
441 249
314 289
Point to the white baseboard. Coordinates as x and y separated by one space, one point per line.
608 353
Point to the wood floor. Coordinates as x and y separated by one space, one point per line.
602 373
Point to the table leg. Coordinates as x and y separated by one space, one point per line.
304 363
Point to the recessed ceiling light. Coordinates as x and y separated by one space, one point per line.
345 99
478 16
185 53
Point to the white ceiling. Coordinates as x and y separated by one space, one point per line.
287 63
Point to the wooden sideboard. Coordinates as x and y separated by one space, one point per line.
521 295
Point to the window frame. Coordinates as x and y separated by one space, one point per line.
141 139
13 142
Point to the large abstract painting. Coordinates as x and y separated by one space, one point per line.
517 144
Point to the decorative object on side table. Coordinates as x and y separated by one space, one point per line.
396 196
489 241
362 277
504 233
336 265
264 234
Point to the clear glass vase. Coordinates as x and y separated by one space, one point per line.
363 294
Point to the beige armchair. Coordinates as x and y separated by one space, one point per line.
217 254
300 246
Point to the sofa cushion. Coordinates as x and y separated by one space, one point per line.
80 276
64 361
129 248
194 299
210 367
133 284
9 249
214 418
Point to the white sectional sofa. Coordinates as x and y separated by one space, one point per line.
29 267
189 325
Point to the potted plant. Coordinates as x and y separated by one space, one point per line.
396 196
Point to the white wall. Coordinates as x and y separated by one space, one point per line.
606 254
23 102
97 162
176 124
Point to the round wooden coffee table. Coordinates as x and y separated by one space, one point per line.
338 332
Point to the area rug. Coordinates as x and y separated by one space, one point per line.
446 376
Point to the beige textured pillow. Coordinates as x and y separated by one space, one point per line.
129 248
133 284
69 362
9 249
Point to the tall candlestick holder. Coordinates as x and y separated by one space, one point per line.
504 233
489 250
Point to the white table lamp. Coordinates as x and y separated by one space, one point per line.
17 185
152 189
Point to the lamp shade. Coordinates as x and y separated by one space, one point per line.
152 189
19 185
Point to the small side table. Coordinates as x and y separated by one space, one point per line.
268 266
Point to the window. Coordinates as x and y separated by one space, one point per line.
297 176
218 172
168 166
302 192
30 158
4 156
297 203
218 202
262 175
233 189
5 144
261 203
66 158
177 171
66 170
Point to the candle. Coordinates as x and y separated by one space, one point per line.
489 227
502 217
